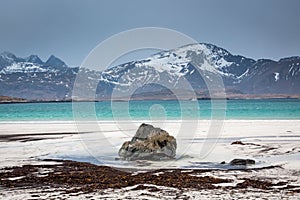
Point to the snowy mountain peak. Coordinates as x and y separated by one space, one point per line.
6 59
55 62
34 59
206 56
8 55
199 48
9 64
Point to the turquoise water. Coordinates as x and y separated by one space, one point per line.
235 109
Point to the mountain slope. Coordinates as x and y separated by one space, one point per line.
180 65
267 76
31 78
190 67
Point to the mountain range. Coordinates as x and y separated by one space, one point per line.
156 77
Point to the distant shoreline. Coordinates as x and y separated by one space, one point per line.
11 100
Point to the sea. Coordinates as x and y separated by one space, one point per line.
153 109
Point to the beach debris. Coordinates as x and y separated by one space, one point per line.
149 143
239 161
242 143
238 142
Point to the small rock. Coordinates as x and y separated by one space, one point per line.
223 163
237 142
242 162
149 143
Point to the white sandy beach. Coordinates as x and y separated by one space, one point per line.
105 140
269 143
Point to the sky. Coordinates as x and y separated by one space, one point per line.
70 29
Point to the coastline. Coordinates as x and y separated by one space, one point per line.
38 149
228 98
151 97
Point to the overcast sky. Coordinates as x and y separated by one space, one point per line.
70 29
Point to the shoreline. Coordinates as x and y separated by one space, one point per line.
137 121
227 98
50 159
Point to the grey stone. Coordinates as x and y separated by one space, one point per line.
149 143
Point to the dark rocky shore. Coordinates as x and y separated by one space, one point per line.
73 177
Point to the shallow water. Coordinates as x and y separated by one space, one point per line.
161 110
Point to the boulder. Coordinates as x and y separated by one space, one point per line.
149 143
242 162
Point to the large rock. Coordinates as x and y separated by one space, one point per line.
149 143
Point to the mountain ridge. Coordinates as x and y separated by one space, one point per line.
34 79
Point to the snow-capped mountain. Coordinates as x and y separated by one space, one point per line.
197 64
194 64
31 78
10 64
